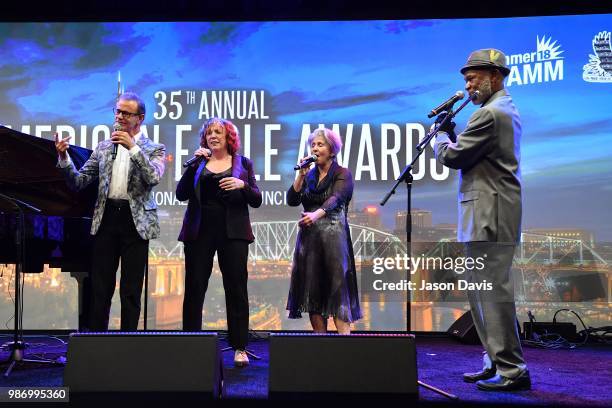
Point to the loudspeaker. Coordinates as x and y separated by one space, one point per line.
142 363
363 365
464 330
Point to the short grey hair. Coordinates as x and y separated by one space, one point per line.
331 138
131 96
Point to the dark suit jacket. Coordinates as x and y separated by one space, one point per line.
237 212
487 154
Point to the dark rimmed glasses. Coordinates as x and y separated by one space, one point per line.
124 113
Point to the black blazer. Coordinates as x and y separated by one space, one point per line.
236 201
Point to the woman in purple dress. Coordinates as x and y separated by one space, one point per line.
323 276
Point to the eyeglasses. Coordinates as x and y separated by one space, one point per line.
124 113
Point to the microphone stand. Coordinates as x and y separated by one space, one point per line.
407 177
146 293
18 346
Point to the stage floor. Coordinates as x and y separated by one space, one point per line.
580 377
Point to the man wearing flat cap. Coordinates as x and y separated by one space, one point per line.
487 156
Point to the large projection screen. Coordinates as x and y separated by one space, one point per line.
374 83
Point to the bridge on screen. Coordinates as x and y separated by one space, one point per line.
538 259
275 241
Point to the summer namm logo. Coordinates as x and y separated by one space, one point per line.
599 67
545 64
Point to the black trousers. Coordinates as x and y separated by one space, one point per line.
232 256
117 239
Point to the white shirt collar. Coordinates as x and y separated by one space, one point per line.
137 136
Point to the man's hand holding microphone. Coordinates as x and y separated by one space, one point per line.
448 127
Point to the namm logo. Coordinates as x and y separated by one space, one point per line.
545 64
599 68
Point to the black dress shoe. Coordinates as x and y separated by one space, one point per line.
501 383
485 374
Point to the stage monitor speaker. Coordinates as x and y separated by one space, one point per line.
358 365
464 330
141 363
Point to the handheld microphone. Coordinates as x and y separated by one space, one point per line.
195 159
313 158
446 104
116 128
